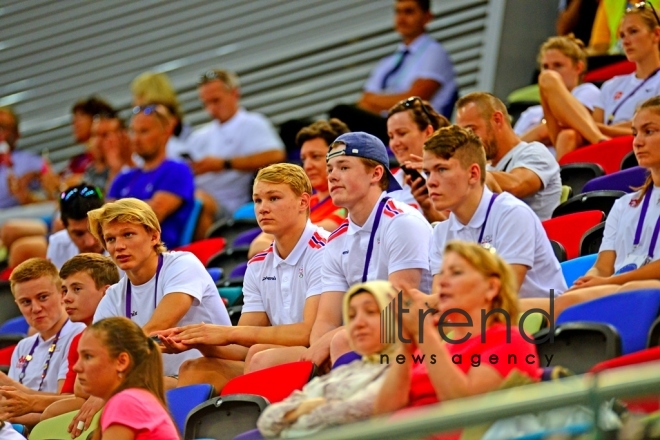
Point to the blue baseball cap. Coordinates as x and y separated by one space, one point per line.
367 146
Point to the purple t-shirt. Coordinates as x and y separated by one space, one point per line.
172 177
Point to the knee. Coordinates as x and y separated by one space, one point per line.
568 136
549 79
339 346
25 248
257 360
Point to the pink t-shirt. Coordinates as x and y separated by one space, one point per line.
140 411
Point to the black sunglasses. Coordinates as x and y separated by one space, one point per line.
85 192
642 5
410 104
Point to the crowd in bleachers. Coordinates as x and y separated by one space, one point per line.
403 261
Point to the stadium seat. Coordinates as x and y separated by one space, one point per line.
631 313
654 334
180 401
629 161
569 229
224 417
229 229
528 93
204 249
591 240
607 154
576 175
274 383
606 72
245 238
566 193
191 224
624 180
574 269
558 249
593 201
239 270
5 358
228 258
16 325
57 427
245 212
231 294
8 307
578 346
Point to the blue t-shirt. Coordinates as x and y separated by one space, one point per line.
171 176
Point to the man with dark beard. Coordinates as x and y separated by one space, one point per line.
166 185
526 170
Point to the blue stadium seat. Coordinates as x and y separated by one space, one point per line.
575 268
16 325
245 212
191 224
180 401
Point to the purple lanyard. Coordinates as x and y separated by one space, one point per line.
640 224
318 205
483 226
51 350
370 247
128 288
610 119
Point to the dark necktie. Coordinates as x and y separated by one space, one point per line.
394 69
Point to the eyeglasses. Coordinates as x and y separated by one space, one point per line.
642 5
85 192
410 104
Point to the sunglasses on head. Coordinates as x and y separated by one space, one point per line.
212 75
410 104
642 5
85 192
152 109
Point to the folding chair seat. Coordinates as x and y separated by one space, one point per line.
245 238
8 307
558 249
566 193
576 175
229 229
16 325
623 180
239 270
607 154
180 401
574 269
204 249
569 229
591 240
224 417
629 161
592 201
228 258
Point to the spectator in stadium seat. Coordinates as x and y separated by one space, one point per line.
161 289
227 152
281 289
85 279
566 56
166 185
409 123
474 280
347 393
313 142
373 243
39 362
419 67
76 238
526 170
455 162
569 121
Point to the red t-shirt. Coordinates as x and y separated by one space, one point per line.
325 210
421 389
72 357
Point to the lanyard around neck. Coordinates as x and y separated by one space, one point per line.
483 226
29 357
610 119
129 288
640 225
374 228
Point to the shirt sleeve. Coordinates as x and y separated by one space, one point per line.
612 225
435 65
252 300
536 158
186 275
404 253
109 306
605 92
438 239
314 273
184 184
523 351
376 76
588 94
333 277
116 186
515 235
70 379
263 136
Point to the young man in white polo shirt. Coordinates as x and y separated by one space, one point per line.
382 239
39 363
160 289
455 163
282 284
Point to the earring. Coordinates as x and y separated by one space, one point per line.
120 374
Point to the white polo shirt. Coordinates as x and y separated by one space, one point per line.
405 193
621 225
516 234
59 362
614 90
399 243
535 157
279 287
182 272
246 133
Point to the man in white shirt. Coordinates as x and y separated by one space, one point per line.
382 239
455 163
281 290
526 170
226 153
160 289
39 363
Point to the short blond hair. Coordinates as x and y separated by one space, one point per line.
489 264
127 210
33 269
285 173
155 87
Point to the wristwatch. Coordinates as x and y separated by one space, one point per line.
227 164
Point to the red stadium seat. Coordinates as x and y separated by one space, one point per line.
608 154
275 383
5 355
204 249
604 73
568 229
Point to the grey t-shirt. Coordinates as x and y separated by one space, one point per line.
535 157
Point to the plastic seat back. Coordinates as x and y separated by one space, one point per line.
224 417
245 238
629 161
559 251
592 201
180 401
623 180
569 229
576 175
574 269
631 313
191 223
608 154
204 249
592 239
17 325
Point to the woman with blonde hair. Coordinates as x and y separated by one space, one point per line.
568 121
476 291
121 365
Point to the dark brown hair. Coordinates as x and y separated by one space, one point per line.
327 130
421 112
464 145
